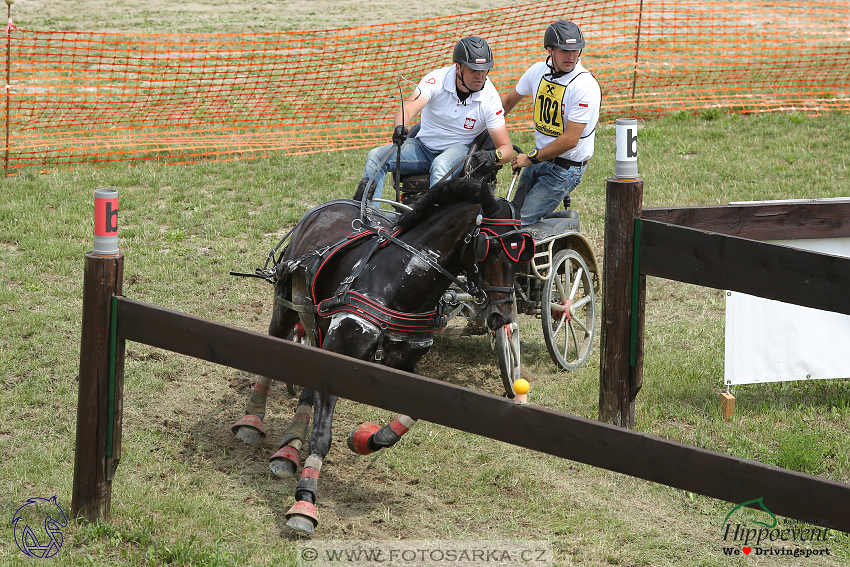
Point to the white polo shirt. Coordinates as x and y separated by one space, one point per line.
446 120
575 97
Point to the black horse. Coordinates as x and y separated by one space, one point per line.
371 288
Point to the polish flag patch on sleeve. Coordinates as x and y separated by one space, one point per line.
583 104
498 112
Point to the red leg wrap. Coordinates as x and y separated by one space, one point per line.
310 472
358 440
398 428
304 508
251 421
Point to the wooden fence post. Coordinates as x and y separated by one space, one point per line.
99 406
624 289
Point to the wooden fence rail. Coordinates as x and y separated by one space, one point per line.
784 492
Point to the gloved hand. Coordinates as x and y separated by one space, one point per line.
483 163
399 135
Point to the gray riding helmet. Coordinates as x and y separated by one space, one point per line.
473 52
564 35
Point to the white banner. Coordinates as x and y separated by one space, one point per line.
771 341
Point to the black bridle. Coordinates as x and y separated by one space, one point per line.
485 230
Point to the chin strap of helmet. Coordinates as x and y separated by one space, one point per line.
467 87
554 73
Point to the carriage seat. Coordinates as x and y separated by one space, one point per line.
555 223
420 183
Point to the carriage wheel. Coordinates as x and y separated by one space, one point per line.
507 350
294 389
568 310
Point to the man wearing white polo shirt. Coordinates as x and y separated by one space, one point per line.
457 103
566 108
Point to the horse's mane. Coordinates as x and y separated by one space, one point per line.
440 195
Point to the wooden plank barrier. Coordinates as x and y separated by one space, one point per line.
787 493
772 271
828 218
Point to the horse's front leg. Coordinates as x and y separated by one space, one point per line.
403 351
249 429
284 463
368 437
302 517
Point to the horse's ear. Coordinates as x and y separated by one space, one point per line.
488 201
519 198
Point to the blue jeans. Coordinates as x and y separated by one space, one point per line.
547 185
416 159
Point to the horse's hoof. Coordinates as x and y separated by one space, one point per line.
358 440
248 435
303 517
283 468
301 524
249 429
284 463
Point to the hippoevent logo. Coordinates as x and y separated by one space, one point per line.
39 512
766 536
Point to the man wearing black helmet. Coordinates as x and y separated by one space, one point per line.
457 104
566 109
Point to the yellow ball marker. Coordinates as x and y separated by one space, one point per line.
521 388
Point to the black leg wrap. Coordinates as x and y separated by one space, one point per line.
310 485
385 437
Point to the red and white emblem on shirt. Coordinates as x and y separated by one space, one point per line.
469 124
431 81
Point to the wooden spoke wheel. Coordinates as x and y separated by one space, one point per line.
568 310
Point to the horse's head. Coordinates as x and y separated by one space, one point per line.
487 248
498 247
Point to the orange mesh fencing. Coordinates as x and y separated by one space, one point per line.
97 97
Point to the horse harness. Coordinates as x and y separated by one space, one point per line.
347 300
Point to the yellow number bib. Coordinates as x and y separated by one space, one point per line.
548 118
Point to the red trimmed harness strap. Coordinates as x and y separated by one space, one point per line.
354 302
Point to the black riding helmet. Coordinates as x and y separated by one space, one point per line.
473 52
564 35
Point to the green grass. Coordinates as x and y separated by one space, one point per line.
186 494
